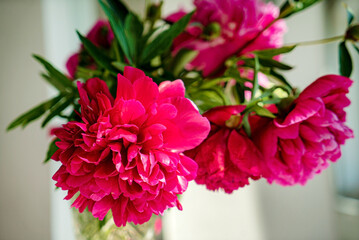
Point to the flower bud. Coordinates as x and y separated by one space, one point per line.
352 33
154 11
212 31
233 121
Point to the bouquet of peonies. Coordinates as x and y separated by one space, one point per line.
153 103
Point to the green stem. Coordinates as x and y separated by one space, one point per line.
255 77
117 52
320 41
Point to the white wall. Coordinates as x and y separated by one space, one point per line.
45 27
24 180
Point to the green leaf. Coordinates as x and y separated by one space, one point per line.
255 76
86 73
269 92
116 52
119 9
271 63
51 150
246 125
147 36
97 54
118 27
350 15
272 101
345 61
285 104
356 48
178 63
263 112
34 113
238 93
279 77
271 52
295 6
54 74
267 63
133 30
164 40
153 11
53 82
58 108
232 72
207 98
120 65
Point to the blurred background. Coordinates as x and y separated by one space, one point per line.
30 208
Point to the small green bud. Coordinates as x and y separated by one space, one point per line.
211 31
154 11
285 105
233 121
352 33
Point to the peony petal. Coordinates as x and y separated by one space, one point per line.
95 86
101 207
187 167
71 65
124 89
168 89
109 186
176 16
326 85
243 153
126 112
301 112
104 102
219 115
187 130
133 74
154 138
105 169
119 211
146 91
128 132
83 94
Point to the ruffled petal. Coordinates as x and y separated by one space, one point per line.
187 129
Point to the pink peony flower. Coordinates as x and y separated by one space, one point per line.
308 136
222 28
100 35
126 154
227 158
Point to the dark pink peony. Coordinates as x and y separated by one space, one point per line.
222 28
227 158
308 136
126 154
100 35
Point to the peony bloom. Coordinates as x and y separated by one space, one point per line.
308 136
220 29
100 35
227 158
126 154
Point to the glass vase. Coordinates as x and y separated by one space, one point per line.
89 228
